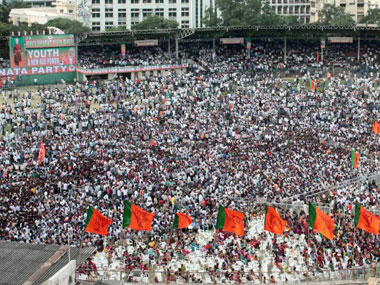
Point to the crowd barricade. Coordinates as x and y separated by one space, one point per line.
178 276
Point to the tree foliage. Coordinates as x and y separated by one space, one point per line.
155 22
373 17
5 9
335 16
67 25
116 29
248 13
211 18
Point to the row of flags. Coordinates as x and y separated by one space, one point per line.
231 221
134 218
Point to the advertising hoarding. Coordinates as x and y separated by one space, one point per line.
231 41
146 43
37 53
50 57
344 40
49 41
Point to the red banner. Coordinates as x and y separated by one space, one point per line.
37 70
127 69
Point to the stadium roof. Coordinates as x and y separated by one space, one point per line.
19 261
309 31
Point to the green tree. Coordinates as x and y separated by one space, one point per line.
6 29
5 9
267 17
335 16
232 12
116 29
251 12
37 27
373 17
155 22
290 21
211 18
67 25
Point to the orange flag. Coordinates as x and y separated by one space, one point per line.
366 221
230 221
136 218
96 223
355 157
320 221
181 221
41 154
376 127
273 221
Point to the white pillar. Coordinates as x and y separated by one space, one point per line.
285 51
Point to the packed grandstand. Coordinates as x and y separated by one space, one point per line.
233 129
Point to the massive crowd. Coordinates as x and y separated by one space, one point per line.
110 56
228 130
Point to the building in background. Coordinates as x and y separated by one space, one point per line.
356 8
298 8
308 11
40 3
101 15
105 14
41 15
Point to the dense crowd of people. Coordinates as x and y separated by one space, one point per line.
227 131
110 56
267 55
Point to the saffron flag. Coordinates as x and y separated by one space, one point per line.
181 221
320 221
96 223
354 159
41 154
273 221
311 85
376 127
153 142
230 221
366 221
136 218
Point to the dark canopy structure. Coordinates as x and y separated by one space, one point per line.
304 32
